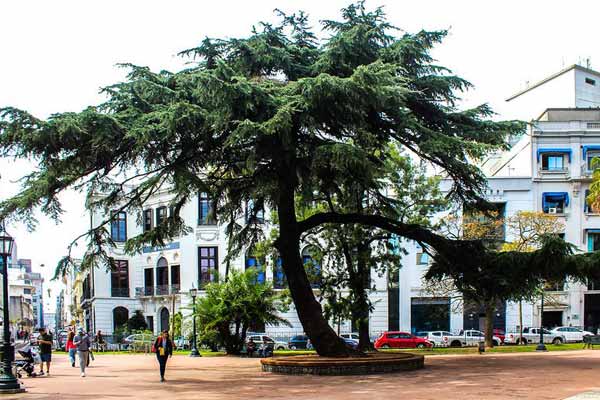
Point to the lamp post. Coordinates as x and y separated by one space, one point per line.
541 346
8 382
194 351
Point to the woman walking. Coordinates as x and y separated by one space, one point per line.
163 347
70 347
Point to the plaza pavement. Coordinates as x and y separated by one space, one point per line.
556 375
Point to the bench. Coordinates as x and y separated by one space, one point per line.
590 340
256 353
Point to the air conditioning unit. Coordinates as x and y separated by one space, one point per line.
552 210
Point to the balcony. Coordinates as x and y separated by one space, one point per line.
119 292
160 290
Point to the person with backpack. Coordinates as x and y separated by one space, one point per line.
163 347
83 343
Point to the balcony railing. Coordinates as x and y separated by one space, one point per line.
119 292
160 290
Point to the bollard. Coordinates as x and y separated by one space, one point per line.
481 347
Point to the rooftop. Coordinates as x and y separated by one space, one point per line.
556 75
570 114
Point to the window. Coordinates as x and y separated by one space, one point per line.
422 258
162 276
553 162
593 241
312 266
207 265
590 81
148 281
553 159
254 216
253 262
120 317
590 153
26 291
206 210
555 202
147 220
118 227
119 279
175 279
587 208
279 280
161 215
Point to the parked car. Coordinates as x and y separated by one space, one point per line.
137 340
260 338
532 335
353 335
500 333
471 337
400 340
298 342
436 338
571 334
351 342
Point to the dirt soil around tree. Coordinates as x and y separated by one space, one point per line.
555 375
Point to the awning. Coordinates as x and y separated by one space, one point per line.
562 151
589 148
551 197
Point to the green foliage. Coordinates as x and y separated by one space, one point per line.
229 309
137 322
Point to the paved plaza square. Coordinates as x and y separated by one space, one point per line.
556 375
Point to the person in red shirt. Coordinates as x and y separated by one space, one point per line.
70 347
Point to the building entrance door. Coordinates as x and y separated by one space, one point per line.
592 312
552 319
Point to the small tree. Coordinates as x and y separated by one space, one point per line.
231 307
528 229
137 322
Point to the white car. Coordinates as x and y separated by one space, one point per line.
353 336
437 338
571 334
532 336
258 339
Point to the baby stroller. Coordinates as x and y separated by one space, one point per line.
27 363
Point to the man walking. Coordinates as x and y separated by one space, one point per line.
83 343
45 343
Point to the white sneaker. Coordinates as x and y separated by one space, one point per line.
83 374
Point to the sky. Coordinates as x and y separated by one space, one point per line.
55 55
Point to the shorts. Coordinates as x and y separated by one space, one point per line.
46 357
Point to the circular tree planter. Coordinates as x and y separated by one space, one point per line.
373 363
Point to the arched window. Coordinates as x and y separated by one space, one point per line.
164 319
312 265
279 280
253 262
162 276
120 317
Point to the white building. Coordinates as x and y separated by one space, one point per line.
547 170
157 280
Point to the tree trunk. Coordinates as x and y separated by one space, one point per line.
489 324
362 280
321 335
520 322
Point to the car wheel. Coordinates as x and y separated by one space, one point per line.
293 347
281 348
456 343
420 346
557 341
522 341
385 346
495 343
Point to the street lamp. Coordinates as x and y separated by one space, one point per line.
541 346
194 351
8 382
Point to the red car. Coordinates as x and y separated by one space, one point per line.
400 340
500 334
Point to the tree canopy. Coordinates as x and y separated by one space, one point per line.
271 118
